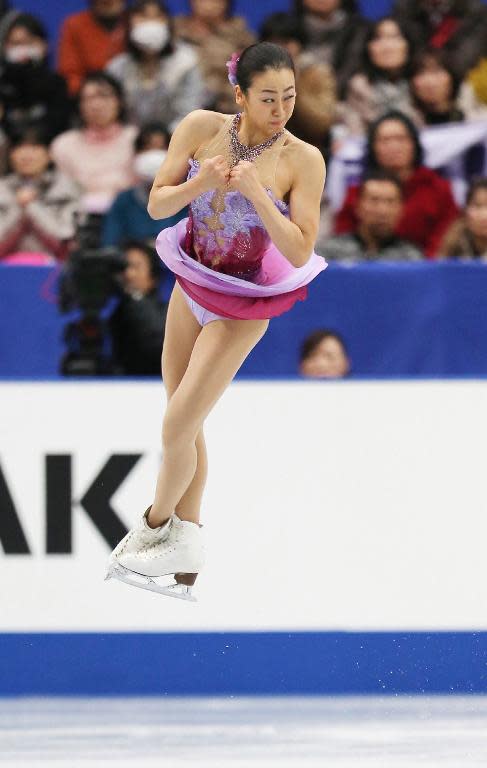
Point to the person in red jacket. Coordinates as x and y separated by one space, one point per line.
429 208
89 39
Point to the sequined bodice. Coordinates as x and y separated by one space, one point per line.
224 231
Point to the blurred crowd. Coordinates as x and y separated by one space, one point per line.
84 127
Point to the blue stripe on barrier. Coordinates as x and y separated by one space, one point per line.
242 663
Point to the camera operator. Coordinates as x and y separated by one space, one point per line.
137 324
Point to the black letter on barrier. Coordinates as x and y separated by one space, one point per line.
96 500
11 533
58 505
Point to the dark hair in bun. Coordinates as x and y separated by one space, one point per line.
258 58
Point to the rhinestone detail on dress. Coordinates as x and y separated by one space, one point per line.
238 241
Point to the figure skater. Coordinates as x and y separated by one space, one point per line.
244 255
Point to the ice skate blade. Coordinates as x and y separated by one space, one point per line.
180 591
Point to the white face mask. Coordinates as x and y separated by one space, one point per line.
19 53
151 35
146 164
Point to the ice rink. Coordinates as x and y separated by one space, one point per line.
346 732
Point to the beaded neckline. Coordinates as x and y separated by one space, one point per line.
241 151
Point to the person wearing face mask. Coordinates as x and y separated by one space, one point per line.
30 93
89 39
160 77
128 219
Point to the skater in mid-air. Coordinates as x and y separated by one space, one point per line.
244 255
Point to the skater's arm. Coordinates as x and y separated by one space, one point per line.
170 193
294 237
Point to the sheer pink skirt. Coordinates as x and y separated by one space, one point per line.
273 291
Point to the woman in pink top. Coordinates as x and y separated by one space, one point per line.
98 155
244 255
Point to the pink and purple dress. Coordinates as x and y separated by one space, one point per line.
224 260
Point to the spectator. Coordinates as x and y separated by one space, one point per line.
477 78
89 39
439 94
382 84
3 152
325 228
128 219
160 76
467 237
324 355
429 208
7 14
457 26
137 325
37 203
336 33
314 110
30 93
378 210
99 155
215 33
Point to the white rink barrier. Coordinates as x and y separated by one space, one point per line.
355 506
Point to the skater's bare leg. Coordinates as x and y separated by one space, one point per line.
182 330
189 506
219 351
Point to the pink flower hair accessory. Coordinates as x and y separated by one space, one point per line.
232 68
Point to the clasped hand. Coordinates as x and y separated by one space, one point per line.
215 173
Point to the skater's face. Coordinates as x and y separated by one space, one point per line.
269 100
328 360
137 277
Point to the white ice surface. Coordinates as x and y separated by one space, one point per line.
329 732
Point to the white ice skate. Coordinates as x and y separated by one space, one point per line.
176 550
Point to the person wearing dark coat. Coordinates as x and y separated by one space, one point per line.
137 324
31 94
456 26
